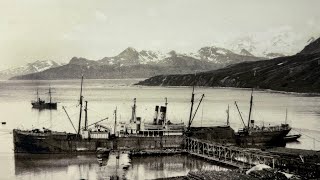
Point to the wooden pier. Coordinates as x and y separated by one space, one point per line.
229 155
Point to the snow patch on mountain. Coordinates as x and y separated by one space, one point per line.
151 56
278 42
37 66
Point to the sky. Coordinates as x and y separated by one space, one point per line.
58 30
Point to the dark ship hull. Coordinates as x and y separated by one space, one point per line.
226 135
35 142
262 138
37 105
30 142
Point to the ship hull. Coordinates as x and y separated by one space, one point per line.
63 143
67 143
37 105
262 138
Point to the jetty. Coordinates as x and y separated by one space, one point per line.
229 155
297 161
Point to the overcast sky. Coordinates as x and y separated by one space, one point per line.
60 29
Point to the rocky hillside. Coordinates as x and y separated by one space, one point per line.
298 73
134 64
37 66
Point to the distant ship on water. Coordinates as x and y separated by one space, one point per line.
42 104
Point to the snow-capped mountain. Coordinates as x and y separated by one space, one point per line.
29 68
215 54
131 63
272 43
148 57
221 56
131 56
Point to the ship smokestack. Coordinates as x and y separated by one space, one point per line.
155 119
163 111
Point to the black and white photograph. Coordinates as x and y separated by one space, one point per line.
159 89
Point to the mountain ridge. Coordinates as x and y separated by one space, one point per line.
153 62
296 73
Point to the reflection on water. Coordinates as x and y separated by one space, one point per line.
54 166
87 167
167 166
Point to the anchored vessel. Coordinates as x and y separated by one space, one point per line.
42 104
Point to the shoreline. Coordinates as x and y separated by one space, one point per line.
239 88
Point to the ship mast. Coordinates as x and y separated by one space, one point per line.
80 104
166 104
86 116
228 116
38 95
50 94
133 115
286 116
250 110
115 120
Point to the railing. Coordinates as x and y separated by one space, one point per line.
229 155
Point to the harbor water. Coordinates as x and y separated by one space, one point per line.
104 96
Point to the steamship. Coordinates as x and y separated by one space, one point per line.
253 135
87 139
42 104
250 135
160 126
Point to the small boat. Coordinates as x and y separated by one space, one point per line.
3 123
103 152
42 104
292 138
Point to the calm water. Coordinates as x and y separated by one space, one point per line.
104 96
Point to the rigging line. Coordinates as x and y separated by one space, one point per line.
72 105
100 115
70 119
256 113
307 135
